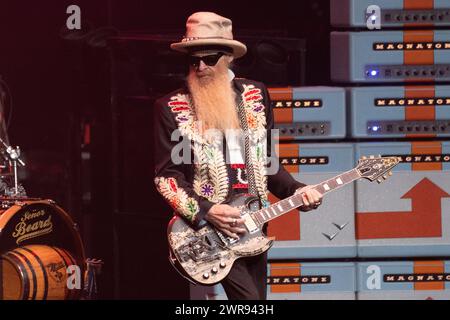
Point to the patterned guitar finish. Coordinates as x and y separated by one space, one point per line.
205 255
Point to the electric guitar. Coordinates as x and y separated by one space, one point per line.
205 255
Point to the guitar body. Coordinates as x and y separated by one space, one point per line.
206 255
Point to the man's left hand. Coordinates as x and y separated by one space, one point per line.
312 198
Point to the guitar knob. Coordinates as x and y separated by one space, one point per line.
222 264
379 180
214 270
390 173
206 275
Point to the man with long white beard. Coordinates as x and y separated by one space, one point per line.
210 113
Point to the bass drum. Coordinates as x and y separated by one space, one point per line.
38 243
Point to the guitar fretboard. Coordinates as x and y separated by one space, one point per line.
283 206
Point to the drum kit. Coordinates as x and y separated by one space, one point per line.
41 251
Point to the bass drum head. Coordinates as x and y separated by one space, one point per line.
39 222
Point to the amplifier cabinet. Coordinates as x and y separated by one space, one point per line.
390 56
400 112
409 214
293 280
306 113
390 13
403 280
327 232
311 281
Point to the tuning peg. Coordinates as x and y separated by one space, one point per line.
372 157
390 173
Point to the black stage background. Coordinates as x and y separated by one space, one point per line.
82 112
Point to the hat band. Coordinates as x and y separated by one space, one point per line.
218 48
202 38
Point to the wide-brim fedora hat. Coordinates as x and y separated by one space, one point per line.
208 29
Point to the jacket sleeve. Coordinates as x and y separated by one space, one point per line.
281 184
171 179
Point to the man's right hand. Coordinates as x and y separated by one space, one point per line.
227 219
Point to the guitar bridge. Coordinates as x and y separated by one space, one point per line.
226 240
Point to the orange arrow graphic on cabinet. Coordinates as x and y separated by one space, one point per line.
424 220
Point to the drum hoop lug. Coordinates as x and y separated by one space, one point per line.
20 204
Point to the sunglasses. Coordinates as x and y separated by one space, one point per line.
209 60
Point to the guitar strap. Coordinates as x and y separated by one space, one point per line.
248 160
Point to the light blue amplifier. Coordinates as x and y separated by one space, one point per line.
403 280
293 280
399 112
390 56
408 215
304 113
329 230
375 14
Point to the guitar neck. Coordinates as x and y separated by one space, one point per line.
284 206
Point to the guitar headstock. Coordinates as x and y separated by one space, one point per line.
376 168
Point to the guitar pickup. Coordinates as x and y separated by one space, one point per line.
250 223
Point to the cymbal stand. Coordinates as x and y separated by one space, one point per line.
14 156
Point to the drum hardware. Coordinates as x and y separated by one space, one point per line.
13 155
94 268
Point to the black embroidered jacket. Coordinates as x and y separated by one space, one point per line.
192 188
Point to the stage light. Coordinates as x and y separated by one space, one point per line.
374 128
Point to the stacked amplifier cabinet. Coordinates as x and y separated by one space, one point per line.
311 281
400 280
298 281
390 13
329 231
308 113
374 56
390 56
400 111
394 57
409 215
